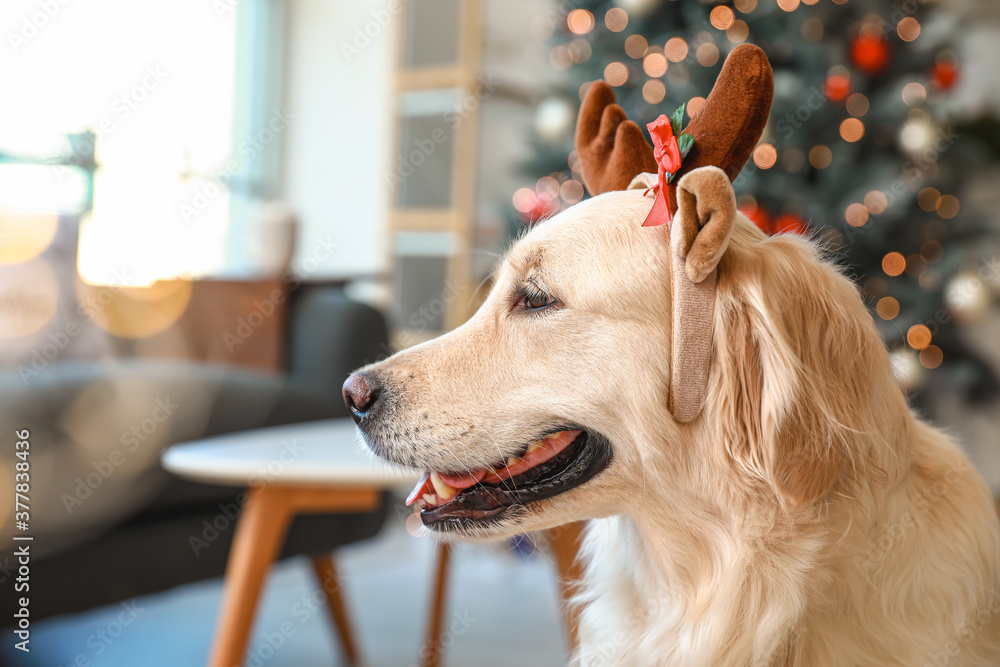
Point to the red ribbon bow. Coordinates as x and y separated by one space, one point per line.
668 159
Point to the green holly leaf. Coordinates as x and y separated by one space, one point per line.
684 143
677 118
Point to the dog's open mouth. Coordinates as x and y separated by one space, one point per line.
546 467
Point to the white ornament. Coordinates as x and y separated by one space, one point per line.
639 8
966 296
553 119
906 368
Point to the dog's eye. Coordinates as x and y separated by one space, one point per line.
534 301
537 302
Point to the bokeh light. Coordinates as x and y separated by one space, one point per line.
580 21
914 93
694 105
25 234
857 104
580 50
928 199
820 156
571 191
676 49
893 264
721 17
707 54
887 308
852 130
764 156
616 19
918 336
616 73
738 32
635 46
876 202
654 91
948 207
789 5
136 312
856 215
524 200
655 64
931 356
908 29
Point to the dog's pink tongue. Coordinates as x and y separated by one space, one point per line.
422 487
463 480
538 452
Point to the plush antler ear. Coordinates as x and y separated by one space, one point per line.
699 235
613 155
611 149
728 126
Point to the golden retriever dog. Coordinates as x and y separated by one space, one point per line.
805 517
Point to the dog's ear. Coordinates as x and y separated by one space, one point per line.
699 235
797 369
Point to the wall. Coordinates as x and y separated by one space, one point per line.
336 149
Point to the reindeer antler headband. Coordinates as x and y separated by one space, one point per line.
613 153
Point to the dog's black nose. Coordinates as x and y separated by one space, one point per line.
360 395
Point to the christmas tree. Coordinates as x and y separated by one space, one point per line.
857 153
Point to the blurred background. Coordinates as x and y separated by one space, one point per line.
212 210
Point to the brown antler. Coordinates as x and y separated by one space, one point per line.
613 150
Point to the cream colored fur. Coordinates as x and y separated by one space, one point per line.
806 518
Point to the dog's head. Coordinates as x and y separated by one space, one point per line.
577 376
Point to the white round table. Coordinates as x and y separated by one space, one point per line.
313 467
310 468
326 452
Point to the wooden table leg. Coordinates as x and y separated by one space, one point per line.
565 543
259 533
432 647
326 571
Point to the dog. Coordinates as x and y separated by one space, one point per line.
805 516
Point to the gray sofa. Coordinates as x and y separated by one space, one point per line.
108 522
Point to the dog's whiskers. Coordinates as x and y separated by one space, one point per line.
512 487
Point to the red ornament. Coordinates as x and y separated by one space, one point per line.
760 217
786 223
837 87
545 207
944 75
790 223
870 54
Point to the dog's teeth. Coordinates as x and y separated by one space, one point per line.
513 461
537 444
444 491
553 436
428 499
